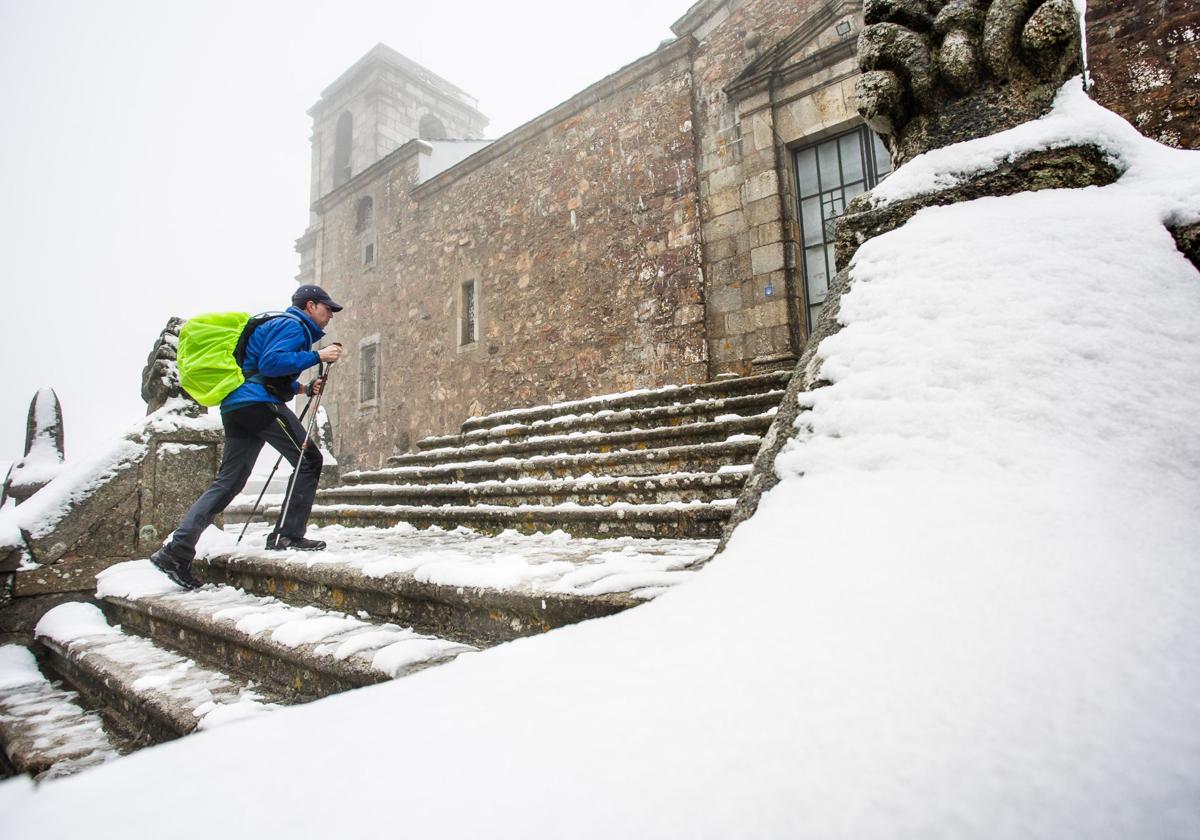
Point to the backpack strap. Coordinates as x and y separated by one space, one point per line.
277 386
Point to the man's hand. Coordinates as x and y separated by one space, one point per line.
331 353
314 387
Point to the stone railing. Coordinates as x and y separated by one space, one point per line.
115 504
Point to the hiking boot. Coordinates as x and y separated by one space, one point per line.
279 542
179 571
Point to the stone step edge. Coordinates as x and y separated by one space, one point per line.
665 512
339 675
598 420
349 672
534 610
599 485
631 399
756 424
709 450
91 675
30 743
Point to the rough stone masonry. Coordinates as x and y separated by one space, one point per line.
649 230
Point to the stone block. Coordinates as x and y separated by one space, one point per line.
721 249
767 234
767 258
689 314
725 201
760 186
770 314
722 226
762 131
728 349
725 298
762 212
724 178
739 322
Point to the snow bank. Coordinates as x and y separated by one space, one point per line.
975 614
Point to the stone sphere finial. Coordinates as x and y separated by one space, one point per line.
937 72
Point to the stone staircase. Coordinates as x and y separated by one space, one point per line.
574 511
666 463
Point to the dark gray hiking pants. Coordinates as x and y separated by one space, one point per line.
246 430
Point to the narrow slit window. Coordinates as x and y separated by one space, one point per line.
468 321
368 373
369 253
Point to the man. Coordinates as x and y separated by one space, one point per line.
256 413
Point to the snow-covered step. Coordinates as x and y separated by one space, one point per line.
610 420
470 587
45 730
681 520
702 457
591 490
148 693
634 439
720 389
305 652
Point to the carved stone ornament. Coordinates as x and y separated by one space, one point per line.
937 72
160 376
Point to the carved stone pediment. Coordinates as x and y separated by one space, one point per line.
827 36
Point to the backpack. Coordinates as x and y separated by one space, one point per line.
212 350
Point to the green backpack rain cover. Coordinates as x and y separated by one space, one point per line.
208 369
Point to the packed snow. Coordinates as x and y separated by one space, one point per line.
554 563
387 648
164 677
970 608
39 719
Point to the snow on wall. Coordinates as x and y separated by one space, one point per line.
41 513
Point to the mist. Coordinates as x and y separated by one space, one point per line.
156 161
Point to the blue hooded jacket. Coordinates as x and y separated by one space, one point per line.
280 347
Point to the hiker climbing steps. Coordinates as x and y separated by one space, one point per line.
525 521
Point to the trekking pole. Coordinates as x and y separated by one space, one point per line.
312 422
279 460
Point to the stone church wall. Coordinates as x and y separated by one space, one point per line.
642 233
1145 63
579 232
745 134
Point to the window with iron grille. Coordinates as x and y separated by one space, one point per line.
468 317
368 371
828 175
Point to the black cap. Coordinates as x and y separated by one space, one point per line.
307 293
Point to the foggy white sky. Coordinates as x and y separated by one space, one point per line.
154 158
